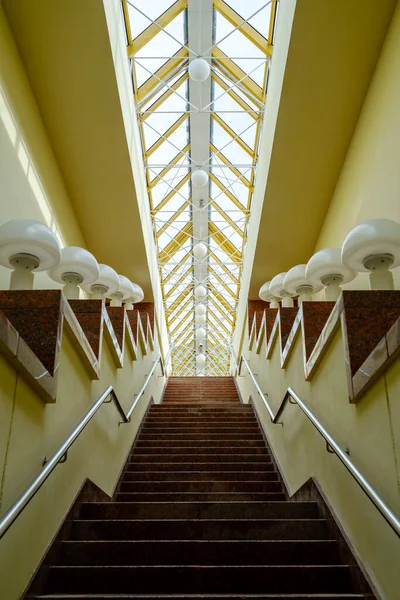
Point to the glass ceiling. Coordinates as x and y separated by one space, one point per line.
214 125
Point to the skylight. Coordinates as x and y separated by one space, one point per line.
214 125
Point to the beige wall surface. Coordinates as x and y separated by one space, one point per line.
369 184
31 183
369 429
31 429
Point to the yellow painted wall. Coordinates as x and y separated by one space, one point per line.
31 182
369 429
31 429
369 184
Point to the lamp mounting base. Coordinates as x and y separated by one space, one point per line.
380 278
22 276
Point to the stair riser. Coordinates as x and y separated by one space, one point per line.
201 486
148 437
198 553
198 510
200 444
177 580
179 429
194 597
183 451
192 410
199 466
201 476
194 458
238 422
199 530
199 497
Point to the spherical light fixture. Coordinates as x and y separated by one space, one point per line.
200 333
200 361
199 178
266 295
200 319
374 246
200 292
199 69
137 296
200 309
296 283
326 267
276 288
200 251
125 291
106 284
25 246
76 267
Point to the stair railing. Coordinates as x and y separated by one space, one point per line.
291 397
60 456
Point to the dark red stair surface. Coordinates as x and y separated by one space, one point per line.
200 512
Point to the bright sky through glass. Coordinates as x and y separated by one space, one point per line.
157 33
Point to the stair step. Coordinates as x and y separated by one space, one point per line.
193 411
194 458
184 450
200 476
200 486
196 420
146 436
199 496
198 510
333 596
189 579
172 430
200 443
200 529
156 552
168 465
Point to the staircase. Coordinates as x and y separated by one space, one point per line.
200 512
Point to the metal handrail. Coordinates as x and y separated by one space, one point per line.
60 456
243 359
390 517
233 355
143 388
165 361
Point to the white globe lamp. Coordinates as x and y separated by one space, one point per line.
137 296
296 283
200 251
277 289
199 70
199 178
200 319
326 268
76 267
26 246
266 295
200 333
200 292
125 291
374 246
106 284
200 361
200 309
